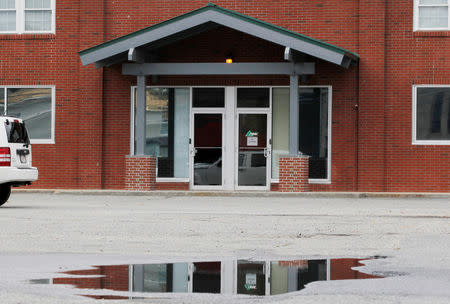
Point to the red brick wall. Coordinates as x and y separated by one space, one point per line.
371 146
110 277
412 58
294 172
140 173
341 269
178 186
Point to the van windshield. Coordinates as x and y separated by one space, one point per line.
16 133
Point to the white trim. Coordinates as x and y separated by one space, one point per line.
172 180
51 140
20 19
414 140
229 149
416 16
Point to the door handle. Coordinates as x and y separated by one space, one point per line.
266 152
193 152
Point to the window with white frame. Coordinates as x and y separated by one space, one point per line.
35 105
27 16
431 114
431 14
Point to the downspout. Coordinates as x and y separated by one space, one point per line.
357 129
385 99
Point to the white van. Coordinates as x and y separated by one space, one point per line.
15 156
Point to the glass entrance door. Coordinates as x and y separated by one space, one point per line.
253 157
207 150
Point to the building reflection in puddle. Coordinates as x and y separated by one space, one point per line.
256 278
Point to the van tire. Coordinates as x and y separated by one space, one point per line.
5 191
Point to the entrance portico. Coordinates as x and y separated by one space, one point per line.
238 125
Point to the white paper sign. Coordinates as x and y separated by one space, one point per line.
252 141
250 280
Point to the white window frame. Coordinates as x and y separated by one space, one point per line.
51 140
416 17
416 141
20 19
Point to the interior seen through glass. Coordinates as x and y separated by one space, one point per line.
252 163
253 97
433 113
207 149
167 129
208 97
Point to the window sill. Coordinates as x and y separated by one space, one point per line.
172 180
27 36
42 142
431 142
423 33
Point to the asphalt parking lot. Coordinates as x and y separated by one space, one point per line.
414 233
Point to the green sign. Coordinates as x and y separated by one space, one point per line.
251 134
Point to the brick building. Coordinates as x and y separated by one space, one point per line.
321 95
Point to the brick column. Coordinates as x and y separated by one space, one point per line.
294 174
140 173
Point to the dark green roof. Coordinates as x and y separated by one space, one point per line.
213 7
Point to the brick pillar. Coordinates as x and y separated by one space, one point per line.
294 174
140 173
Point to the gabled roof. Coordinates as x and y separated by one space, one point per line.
209 14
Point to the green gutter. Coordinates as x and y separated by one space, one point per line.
211 6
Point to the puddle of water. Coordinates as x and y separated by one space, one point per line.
257 278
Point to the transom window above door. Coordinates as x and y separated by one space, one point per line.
431 15
27 16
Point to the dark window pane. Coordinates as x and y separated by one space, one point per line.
253 97
313 129
2 101
206 277
252 142
208 167
208 97
208 149
208 130
251 278
433 114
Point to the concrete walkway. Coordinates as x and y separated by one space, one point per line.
239 193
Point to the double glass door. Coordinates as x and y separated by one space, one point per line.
230 145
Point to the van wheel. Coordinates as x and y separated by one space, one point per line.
5 191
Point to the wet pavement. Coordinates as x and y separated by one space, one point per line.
255 278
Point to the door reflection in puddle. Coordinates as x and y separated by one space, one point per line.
257 278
